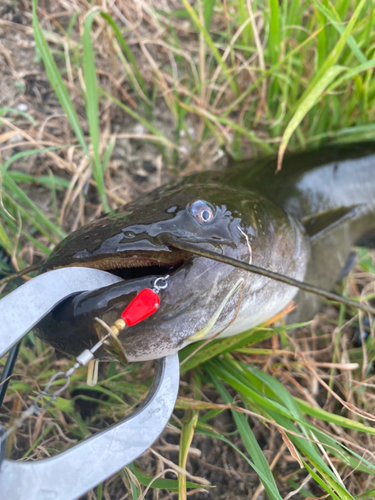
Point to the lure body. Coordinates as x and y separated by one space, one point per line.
301 222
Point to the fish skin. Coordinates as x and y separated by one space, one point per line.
301 222
316 184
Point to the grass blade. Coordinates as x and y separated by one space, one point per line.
284 413
39 215
214 348
305 106
323 77
162 484
274 31
130 58
56 80
208 10
321 414
22 154
370 64
213 48
187 434
251 444
163 139
337 24
92 106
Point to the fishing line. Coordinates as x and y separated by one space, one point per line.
188 247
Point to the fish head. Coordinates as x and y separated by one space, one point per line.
203 298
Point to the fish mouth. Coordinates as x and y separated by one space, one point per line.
139 265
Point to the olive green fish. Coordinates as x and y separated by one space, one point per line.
301 222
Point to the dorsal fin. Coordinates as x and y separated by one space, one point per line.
320 223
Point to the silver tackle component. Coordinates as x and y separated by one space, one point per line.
164 283
72 473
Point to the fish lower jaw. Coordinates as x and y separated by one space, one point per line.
250 318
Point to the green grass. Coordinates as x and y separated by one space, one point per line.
287 74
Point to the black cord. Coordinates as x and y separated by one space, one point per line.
2 445
12 357
307 287
8 369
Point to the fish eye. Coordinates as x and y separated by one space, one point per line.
202 211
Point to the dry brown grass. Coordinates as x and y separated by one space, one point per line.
188 94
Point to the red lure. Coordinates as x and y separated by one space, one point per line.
141 307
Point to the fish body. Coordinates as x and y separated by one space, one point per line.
301 222
332 193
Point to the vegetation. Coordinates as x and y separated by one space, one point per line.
198 81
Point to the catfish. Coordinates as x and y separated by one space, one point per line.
301 222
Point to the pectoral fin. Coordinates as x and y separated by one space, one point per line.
320 223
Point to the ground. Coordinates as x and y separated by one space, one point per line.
323 370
